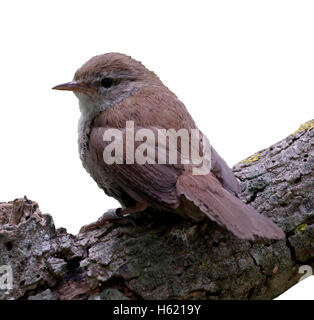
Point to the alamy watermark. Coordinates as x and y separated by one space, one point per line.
156 145
6 277
306 270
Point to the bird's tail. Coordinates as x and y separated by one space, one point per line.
206 193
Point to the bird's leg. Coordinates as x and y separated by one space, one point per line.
114 214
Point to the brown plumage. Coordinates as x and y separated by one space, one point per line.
114 88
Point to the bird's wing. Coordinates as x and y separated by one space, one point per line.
207 194
159 107
223 173
148 183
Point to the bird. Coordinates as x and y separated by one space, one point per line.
112 89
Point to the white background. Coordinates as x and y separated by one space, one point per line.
244 69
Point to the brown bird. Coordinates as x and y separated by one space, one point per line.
114 88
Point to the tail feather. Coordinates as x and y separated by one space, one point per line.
224 208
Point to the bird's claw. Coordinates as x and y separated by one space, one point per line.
108 216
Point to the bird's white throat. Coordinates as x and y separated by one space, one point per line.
89 109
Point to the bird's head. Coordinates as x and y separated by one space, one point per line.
105 80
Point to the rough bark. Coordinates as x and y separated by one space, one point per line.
165 257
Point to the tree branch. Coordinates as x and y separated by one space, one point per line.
162 256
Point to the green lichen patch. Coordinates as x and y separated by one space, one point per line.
301 227
305 126
253 158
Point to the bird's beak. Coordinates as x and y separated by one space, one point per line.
74 86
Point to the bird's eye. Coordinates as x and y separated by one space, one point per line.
106 82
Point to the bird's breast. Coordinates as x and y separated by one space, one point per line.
90 164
